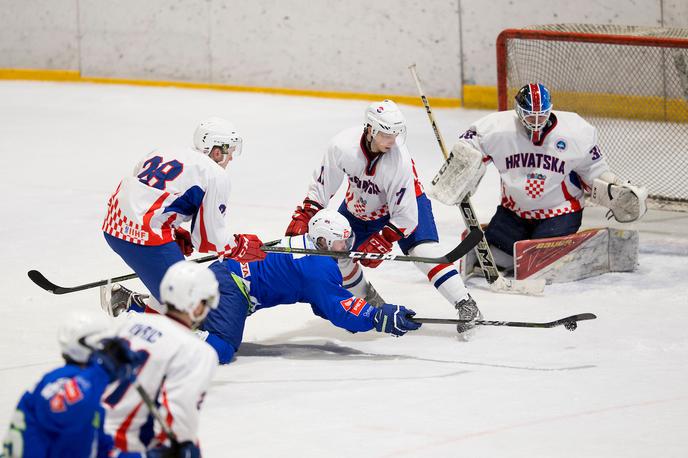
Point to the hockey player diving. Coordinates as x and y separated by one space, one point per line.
546 160
288 279
385 203
171 187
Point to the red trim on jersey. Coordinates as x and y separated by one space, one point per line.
121 433
551 124
436 269
416 181
353 272
575 205
371 158
206 246
153 238
169 419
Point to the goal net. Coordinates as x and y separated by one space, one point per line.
630 82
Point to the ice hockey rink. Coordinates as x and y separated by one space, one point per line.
617 386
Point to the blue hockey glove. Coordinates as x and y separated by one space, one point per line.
394 319
116 358
184 450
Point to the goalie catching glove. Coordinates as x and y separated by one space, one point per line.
626 202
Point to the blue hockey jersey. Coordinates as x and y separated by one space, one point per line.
282 279
61 417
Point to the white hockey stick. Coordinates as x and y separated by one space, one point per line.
488 266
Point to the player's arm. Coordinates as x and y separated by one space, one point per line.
329 300
186 382
327 178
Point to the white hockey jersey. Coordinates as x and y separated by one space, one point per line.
379 185
545 179
177 372
166 189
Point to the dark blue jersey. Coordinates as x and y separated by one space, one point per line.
280 279
61 417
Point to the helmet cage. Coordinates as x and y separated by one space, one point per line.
533 106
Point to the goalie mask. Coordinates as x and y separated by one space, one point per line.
79 336
329 230
185 285
218 132
533 107
386 118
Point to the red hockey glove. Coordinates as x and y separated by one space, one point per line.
247 248
379 243
183 239
301 217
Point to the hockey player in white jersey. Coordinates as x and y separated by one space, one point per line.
384 203
546 161
177 369
168 188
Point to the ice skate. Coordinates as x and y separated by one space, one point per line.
116 299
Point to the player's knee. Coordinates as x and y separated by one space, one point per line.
225 351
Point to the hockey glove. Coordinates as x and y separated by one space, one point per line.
301 217
394 319
247 248
184 450
116 359
183 239
379 243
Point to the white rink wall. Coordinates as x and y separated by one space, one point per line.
353 46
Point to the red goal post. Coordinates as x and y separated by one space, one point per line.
630 82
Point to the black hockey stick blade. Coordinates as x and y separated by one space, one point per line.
40 280
466 245
570 322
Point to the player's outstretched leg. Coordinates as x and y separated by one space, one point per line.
355 282
446 279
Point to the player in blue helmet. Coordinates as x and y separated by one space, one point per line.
533 106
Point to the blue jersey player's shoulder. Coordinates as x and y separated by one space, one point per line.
321 267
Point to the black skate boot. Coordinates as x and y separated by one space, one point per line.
468 310
117 299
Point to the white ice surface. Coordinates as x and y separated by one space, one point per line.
617 386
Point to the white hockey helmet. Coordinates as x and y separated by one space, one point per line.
332 227
185 285
79 335
216 132
386 117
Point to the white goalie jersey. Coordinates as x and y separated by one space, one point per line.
540 180
167 189
379 185
177 372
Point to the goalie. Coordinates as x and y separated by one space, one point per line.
547 161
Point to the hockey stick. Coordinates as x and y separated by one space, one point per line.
487 263
39 279
466 245
156 413
570 322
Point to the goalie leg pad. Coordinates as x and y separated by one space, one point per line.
627 202
459 176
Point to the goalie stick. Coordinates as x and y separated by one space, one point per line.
570 322
457 253
487 263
